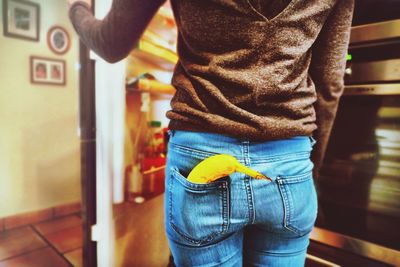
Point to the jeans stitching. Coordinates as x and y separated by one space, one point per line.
284 200
245 151
206 239
288 179
287 206
192 151
291 210
252 205
297 155
178 240
313 141
195 241
192 186
225 207
171 133
170 188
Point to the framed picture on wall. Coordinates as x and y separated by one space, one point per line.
58 40
21 19
47 71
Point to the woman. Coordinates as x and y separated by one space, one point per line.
256 79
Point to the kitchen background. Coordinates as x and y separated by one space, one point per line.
39 145
43 160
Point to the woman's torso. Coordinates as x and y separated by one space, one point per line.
243 66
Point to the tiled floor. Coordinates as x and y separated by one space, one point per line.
55 243
140 239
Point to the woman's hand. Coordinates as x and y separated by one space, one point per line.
71 2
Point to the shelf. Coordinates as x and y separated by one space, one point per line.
157 46
157 40
152 86
159 94
157 51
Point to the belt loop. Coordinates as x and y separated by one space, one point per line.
171 133
312 140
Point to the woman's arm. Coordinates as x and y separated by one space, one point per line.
113 37
327 71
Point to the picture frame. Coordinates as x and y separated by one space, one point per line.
58 40
21 19
47 71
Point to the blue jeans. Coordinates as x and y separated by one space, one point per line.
238 220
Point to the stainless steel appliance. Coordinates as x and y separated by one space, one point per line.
372 11
359 188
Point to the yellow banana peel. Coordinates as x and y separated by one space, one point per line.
218 166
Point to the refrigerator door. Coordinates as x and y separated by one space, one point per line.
110 127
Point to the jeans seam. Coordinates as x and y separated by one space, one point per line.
192 151
286 254
206 239
193 186
288 179
284 200
298 155
225 207
171 133
253 206
170 188
312 140
286 206
249 193
194 241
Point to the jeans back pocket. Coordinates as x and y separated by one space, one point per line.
198 213
300 202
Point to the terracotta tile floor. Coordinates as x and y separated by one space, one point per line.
54 243
139 234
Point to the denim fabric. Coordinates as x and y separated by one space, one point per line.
237 220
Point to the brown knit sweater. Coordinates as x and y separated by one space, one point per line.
254 69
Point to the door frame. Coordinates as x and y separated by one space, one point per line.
87 124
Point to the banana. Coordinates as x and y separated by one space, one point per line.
218 166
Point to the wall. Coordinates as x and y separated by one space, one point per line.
39 146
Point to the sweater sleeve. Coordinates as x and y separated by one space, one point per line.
327 71
115 36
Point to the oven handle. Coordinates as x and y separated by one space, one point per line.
372 89
356 246
375 32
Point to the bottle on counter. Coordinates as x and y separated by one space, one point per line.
153 163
